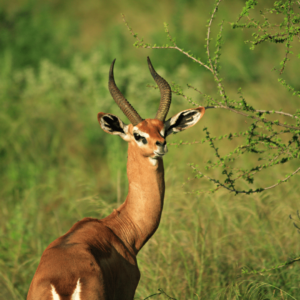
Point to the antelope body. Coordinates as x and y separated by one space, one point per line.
96 259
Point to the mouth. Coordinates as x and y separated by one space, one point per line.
159 154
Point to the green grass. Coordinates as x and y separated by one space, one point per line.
56 167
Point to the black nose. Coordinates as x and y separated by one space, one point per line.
161 144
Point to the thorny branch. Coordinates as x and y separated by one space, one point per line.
264 120
219 184
254 117
165 47
208 33
288 42
213 70
262 131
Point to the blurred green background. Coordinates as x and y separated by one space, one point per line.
57 166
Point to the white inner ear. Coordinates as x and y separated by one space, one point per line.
106 127
195 118
174 119
175 126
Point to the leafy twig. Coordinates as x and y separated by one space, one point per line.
161 292
243 192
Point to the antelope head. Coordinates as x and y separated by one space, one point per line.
147 136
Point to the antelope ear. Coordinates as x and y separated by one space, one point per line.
183 120
113 125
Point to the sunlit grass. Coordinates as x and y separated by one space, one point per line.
57 166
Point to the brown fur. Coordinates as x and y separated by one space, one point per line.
102 253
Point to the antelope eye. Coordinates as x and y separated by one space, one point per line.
140 138
137 136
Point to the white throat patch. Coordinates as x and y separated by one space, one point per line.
153 161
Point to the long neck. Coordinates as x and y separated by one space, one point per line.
136 220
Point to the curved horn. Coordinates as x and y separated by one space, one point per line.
165 91
125 106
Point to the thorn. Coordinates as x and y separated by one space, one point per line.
296 226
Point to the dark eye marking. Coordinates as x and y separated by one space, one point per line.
137 136
140 138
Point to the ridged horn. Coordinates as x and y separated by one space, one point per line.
165 92
124 105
